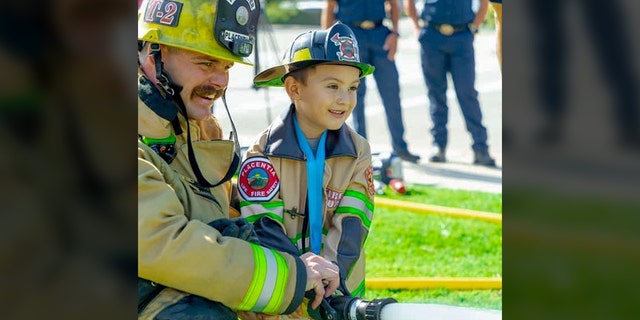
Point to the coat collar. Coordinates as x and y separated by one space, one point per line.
150 123
339 142
155 114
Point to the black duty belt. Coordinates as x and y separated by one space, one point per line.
367 24
447 29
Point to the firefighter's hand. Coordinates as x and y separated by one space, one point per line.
236 228
391 45
323 277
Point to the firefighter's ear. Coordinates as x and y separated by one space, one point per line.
293 88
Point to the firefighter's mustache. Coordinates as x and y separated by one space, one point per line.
208 91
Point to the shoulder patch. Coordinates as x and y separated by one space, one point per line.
333 198
257 180
369 176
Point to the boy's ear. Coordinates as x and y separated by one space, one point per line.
292 87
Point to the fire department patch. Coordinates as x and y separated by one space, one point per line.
369 175
347 50
333 198
257 180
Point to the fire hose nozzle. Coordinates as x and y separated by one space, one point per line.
370 310
341 307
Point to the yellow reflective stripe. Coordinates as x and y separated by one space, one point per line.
269 283
280 286
257 283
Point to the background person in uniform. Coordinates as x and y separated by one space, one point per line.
194 262
307 182
446 30
378 48
607 30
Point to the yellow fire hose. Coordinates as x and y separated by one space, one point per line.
436 282
433 209
432 283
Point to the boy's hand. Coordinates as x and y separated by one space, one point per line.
322 276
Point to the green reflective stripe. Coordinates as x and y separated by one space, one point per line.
351 202
257 283
280 286
253 211
168 140
361 196
269 283
355 211
296 238
268 205
359 291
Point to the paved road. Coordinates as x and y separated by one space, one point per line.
252 110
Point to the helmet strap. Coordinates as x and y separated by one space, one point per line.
162 77
168 89
234 132
202 181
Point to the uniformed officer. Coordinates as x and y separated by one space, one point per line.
377 48
446 30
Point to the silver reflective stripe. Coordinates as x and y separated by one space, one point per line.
348 201
270 282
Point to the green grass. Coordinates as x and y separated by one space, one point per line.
406 244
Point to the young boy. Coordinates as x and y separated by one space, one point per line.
307 182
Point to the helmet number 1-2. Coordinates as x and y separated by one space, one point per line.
163 12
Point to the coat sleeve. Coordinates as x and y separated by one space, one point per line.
351 222
266 211
193 257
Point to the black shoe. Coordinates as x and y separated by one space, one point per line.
484 159
407 156
438 156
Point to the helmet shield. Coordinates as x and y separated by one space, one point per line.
223 29
335 45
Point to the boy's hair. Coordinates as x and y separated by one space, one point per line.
301 75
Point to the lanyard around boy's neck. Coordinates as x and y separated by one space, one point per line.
315 172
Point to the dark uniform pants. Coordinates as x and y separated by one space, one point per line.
453 54
388 82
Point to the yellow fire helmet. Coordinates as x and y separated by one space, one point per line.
224 29
335 45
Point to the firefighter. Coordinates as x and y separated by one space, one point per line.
193 261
